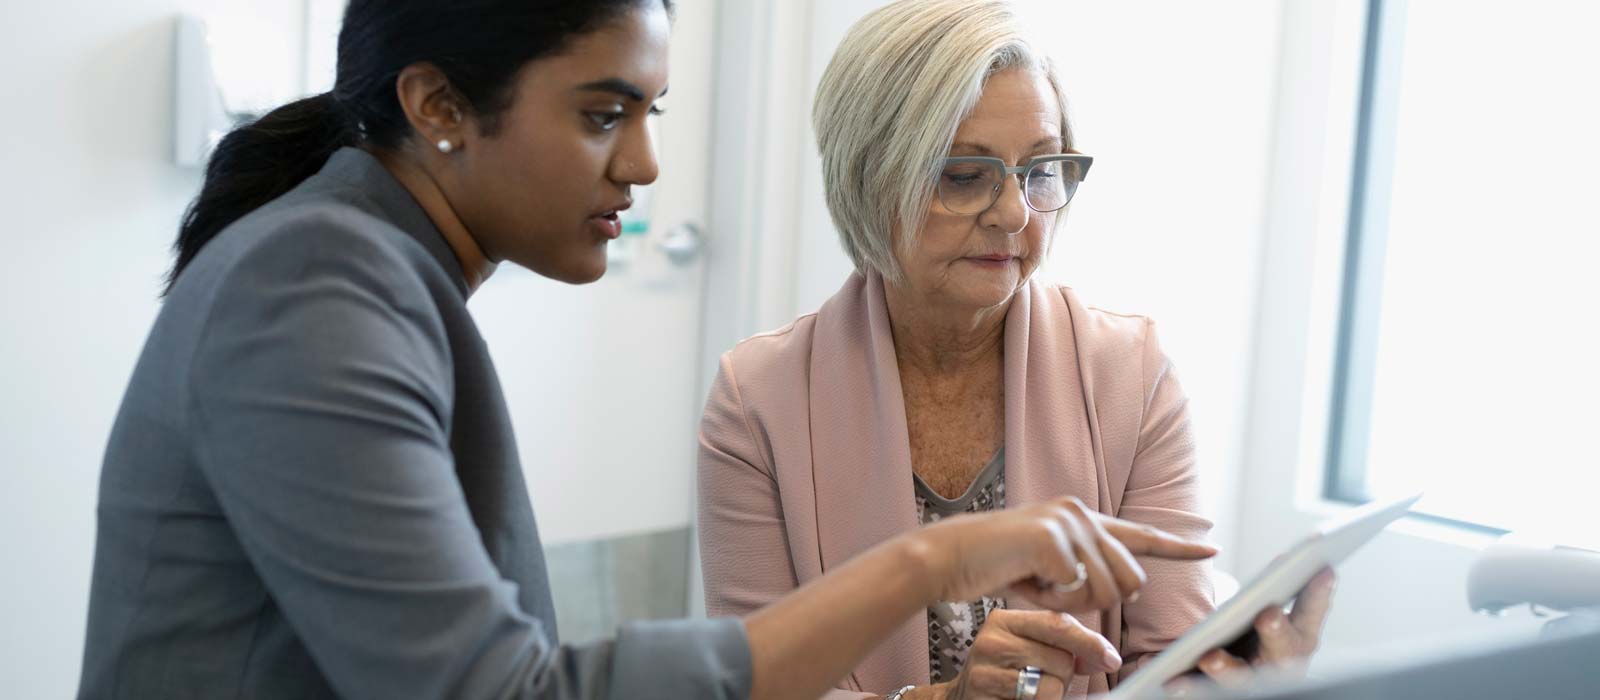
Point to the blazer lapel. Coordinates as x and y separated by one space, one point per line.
1048 419
1052 435
861 455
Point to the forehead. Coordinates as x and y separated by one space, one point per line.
632 47
1018 110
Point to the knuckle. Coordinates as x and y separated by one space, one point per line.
1136 576
1046 530
1068 623
1056 625
984 646
1069 525
1072 635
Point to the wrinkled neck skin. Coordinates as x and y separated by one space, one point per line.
938 339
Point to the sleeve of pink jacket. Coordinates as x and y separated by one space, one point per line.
744 551
1163 491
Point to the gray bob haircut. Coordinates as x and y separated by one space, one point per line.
888 106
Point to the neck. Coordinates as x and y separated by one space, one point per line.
475 266
935 339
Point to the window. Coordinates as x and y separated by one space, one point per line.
1469 344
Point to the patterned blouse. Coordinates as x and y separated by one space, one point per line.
952 626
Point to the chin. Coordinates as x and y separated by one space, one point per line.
586 273
581 269
989 292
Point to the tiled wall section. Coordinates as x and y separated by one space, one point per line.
602 583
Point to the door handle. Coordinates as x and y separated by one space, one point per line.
682 243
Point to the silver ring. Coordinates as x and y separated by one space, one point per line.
1083 578
1028 682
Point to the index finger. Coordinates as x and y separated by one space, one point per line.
1144 539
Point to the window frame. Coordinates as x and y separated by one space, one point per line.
1349 429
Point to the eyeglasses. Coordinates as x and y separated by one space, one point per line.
970 185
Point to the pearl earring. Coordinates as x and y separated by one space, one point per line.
445 146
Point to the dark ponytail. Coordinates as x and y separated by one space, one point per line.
258 163
479 45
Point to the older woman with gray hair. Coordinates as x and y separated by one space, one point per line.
942 380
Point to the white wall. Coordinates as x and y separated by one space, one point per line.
92 204
1174 100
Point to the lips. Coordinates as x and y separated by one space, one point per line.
607 222
613 211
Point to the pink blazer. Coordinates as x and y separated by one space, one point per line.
805 460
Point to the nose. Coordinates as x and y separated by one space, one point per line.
634 163
1010 211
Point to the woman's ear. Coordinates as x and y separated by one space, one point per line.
432 107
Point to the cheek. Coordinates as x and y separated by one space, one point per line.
1038 234
543 164
543 180
943 238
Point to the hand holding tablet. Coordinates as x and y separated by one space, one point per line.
1304 567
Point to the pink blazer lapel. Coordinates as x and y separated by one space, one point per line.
1048 416
861 455
1053 444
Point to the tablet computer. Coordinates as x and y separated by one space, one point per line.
1278 584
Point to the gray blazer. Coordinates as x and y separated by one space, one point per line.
312 489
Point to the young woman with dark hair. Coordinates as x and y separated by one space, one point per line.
312 489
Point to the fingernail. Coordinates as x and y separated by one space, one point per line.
1276 622
1133 597
1112 661
1111 658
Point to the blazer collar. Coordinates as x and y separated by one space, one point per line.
356 178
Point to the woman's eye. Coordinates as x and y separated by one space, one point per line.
605 121
962 178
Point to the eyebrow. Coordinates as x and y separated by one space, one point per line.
981 149
618 86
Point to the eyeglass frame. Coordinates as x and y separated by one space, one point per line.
1007 171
